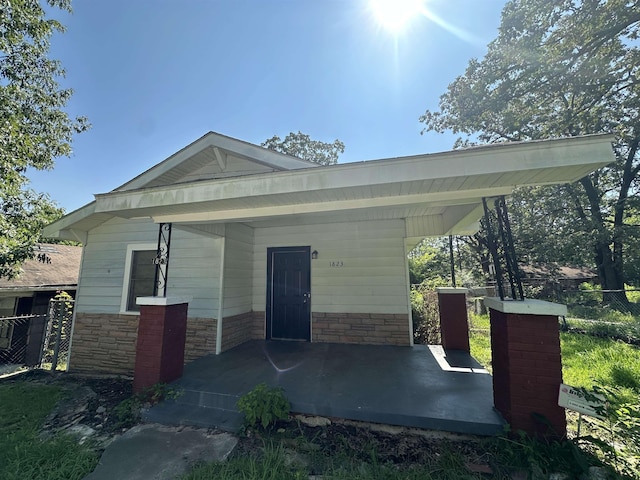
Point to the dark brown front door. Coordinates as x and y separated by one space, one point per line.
288 293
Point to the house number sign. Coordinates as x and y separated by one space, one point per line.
336 263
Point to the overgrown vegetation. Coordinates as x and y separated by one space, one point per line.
425 315
276 461
23 452
597 364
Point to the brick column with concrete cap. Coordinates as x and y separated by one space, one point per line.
454 323
161 339
527 366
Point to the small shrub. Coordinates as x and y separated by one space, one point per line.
264 405
620 446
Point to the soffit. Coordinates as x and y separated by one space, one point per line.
389 188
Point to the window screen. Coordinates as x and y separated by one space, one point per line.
143 272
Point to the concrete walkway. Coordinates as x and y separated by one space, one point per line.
420 386
157 452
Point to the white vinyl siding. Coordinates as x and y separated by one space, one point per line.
238 269
371 280
193 266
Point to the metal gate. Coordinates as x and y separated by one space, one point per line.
37 340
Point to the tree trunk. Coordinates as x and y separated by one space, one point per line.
608 262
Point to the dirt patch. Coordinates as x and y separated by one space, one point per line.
87 409
363 442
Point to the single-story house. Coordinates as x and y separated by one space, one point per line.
556 278
53 268
267 246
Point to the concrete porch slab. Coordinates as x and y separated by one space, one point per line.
420 386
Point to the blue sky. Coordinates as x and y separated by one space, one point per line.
154 75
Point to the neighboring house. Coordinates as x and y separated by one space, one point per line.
270 246
54 268
556 278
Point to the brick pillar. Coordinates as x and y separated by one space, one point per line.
454 323
527 367
161 338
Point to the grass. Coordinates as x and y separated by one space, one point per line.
589 361
479 339
271 465
593 362
275 462
23 453
586 361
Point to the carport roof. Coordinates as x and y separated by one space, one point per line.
436 194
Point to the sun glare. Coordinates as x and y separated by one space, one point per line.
394 15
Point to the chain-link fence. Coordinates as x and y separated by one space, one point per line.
606 313
600 305
37 340
21 341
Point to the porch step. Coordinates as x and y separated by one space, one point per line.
197 408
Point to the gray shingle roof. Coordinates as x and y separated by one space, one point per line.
53 265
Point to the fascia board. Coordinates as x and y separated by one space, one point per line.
595 151
52 230
74 224
250 151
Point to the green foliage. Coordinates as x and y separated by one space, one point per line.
429 265
264 405
632 294
425 315
614 367
588 360
480 339
270 465
24 214
23 453
594 311
616 439
127 412
561 68
34 128
540 458
302 146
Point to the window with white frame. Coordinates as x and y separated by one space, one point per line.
140 274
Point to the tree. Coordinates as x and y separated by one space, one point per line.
34 128
302 146
429 263
562 68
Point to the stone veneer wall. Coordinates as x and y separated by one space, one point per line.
201 338
364 328
106 343
242 328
